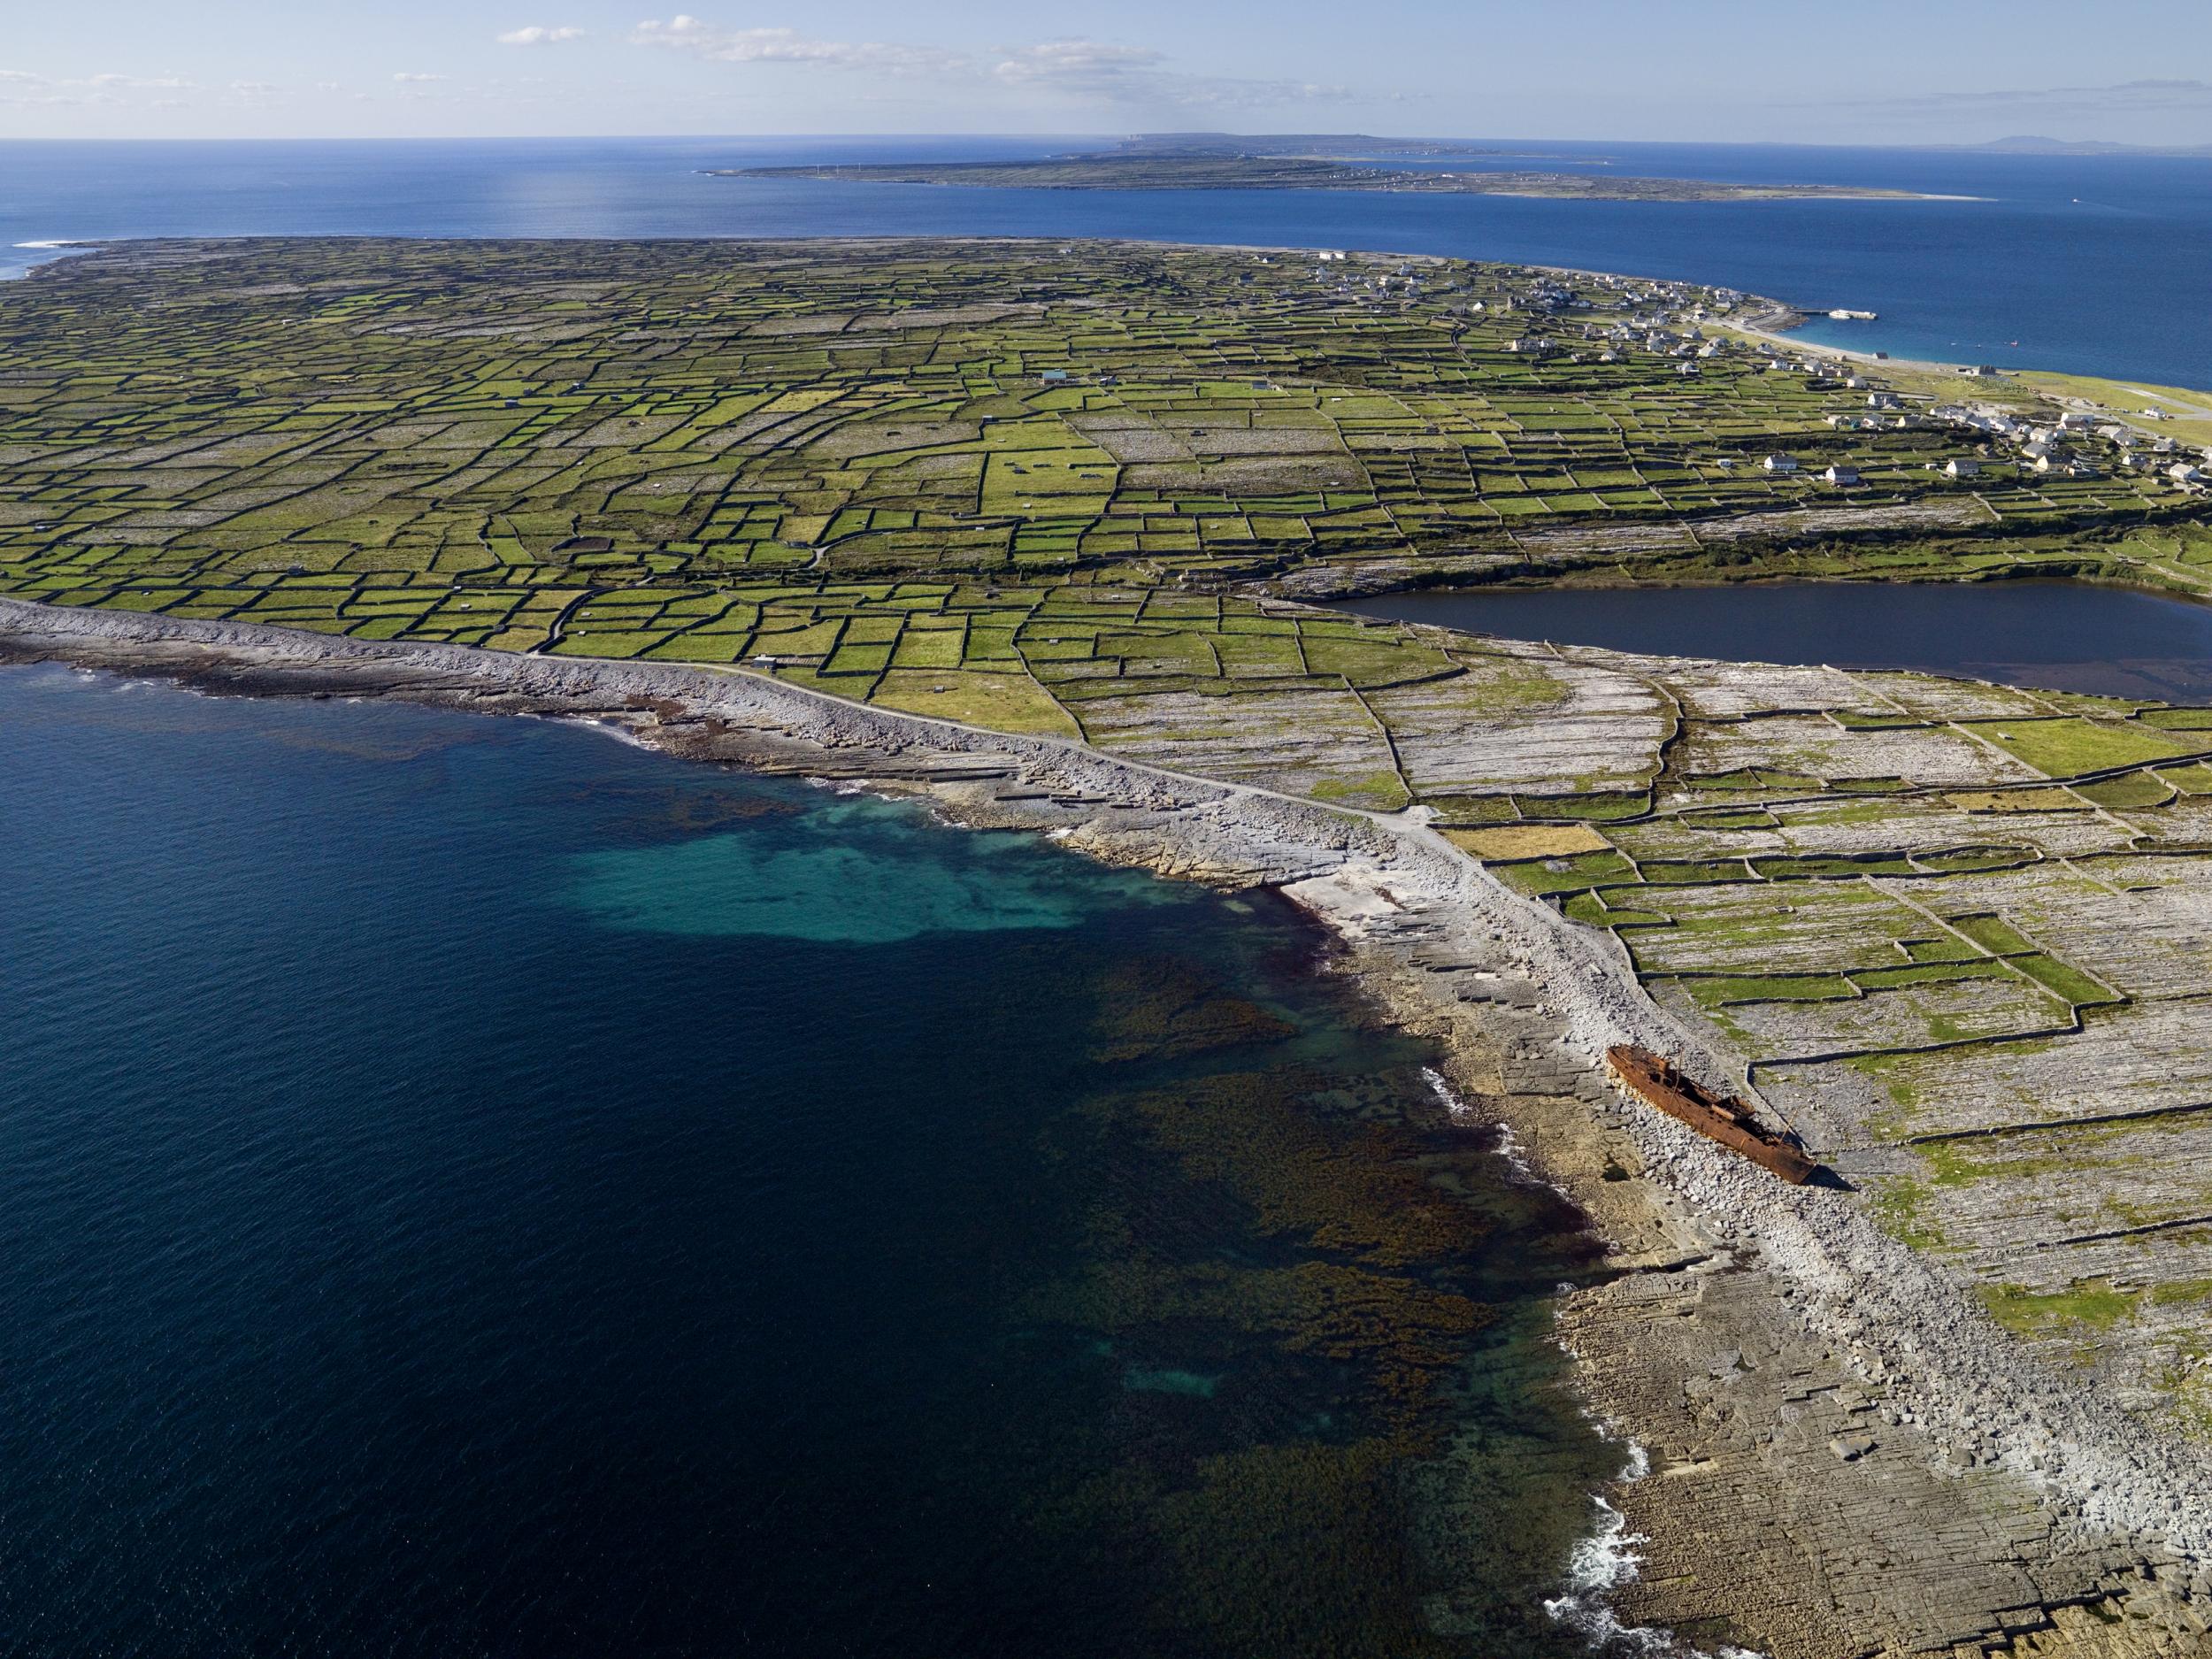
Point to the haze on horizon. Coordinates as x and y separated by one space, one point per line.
1882 72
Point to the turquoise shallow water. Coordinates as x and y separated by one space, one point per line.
471 1188
864 877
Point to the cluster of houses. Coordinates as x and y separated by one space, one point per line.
1842 474
1663 318
2057 448
2052 450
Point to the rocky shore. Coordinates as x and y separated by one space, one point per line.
1846 1455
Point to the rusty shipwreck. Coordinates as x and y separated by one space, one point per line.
1659 1082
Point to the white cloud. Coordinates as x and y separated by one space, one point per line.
416 80
1075 60
788 46
1104 73
19 86
1095 72
539 35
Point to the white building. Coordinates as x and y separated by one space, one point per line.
1778 464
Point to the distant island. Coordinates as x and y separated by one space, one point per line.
1206 162
2032 144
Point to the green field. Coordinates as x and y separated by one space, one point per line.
1003 479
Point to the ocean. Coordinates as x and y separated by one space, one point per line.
473 1187
2089 264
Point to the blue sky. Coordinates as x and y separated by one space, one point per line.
1877 71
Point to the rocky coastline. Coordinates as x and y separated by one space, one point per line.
1845 1455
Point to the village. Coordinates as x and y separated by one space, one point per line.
1690 325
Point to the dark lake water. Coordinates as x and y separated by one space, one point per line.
2093 265
470 1187
2066 636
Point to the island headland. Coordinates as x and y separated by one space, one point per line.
1223 162
1031 529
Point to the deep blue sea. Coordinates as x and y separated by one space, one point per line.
2095 265
472 1186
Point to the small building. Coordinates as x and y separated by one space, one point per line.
2074 420
1841 474
1054 377
2065 466
1778 464
1982 371
1686 368
1883 400
1962 466
2182 472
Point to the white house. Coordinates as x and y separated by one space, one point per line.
1841 474
1778 464
1962 466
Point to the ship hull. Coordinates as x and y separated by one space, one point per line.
1721 1119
